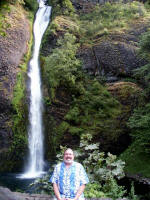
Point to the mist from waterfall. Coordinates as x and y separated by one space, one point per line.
35 164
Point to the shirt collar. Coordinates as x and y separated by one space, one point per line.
70 165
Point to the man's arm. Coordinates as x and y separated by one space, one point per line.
80 191
56 191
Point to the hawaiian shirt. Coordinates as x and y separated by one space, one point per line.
69 179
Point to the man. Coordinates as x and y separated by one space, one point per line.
69 178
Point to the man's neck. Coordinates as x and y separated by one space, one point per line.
68 164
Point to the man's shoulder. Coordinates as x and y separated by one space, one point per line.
58 165
77 164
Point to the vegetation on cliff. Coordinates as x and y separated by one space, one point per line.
62 69
137 155
15 34
91 108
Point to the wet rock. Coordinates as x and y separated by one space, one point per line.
140 179
6 194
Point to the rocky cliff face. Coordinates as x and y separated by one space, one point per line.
13 46
115 56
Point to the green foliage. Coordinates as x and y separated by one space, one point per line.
142 74
4 9
67 5
19 119
61 66
94 190
132 193
139 121
18 94
99 167
64 7
110 17
102 183
135 159
31 4
113 190
145 46
42 185
11 2
93 109
19 143
102 170
140 127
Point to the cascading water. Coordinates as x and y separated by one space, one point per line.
35 166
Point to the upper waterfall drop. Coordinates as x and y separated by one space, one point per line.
35 165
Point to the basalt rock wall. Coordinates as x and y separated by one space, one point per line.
116 56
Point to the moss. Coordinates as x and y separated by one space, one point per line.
4 24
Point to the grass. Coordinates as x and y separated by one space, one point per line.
137 162
103 20
110 17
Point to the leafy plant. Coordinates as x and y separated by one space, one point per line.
140 127
102 171
64 7
97 165
139 121
42 185
62 66
132 195
94 190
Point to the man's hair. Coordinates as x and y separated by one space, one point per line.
69 150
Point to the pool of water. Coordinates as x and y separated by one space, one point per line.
11 181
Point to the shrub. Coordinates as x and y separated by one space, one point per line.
62 66
139 123
31 4
140 120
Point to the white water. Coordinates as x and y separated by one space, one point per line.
35 165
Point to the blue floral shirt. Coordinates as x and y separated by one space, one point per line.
69 179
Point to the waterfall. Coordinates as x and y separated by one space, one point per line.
35 164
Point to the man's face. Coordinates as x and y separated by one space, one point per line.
68 156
